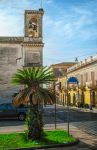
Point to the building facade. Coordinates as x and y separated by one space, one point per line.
60 71
85 93
19 52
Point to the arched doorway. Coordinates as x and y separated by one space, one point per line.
93 98
82 98
65 99
74 99
69 99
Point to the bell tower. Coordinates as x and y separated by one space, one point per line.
33 23
33 38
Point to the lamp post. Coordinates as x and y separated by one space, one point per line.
55 102
67 110
55 84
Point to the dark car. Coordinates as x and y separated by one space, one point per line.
9 111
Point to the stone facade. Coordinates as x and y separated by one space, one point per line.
18 52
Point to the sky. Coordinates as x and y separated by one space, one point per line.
69 27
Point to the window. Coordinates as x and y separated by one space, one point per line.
86 77
10 107
93 77
82 80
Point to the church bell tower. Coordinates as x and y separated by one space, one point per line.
33 38
33 23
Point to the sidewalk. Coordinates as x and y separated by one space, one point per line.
87 141
94 110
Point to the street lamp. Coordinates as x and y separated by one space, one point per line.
56 84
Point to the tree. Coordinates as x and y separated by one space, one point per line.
34 93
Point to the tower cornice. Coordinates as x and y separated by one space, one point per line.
33 44
40 11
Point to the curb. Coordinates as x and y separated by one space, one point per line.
83 110
49 146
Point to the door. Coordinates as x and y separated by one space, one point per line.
74 99
93 98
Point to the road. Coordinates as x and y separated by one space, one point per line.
86 121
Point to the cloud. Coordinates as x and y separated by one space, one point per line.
81 22
71 36
9 25
68 29
49 1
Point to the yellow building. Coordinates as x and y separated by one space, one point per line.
60 70
72 92
85 94
61 90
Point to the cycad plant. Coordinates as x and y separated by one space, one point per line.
34 94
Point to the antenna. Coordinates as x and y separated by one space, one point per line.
41 4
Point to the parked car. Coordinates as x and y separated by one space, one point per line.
7 110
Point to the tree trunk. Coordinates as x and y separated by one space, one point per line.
35 122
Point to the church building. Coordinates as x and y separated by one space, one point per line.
19 52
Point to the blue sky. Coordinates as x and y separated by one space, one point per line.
70 26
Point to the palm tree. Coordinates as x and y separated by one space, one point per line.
34 93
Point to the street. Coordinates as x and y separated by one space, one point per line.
85 121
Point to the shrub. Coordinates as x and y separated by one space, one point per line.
81 105
86 105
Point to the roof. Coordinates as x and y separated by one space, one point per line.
83 64
60 69
24 40
6 39
63 63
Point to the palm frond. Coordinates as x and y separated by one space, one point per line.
33 78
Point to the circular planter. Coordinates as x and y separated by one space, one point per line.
49 146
